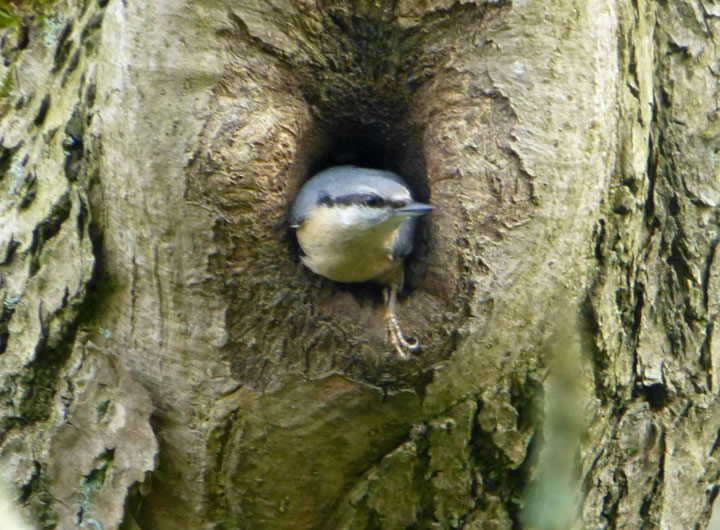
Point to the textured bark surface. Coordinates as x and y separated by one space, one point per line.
166 360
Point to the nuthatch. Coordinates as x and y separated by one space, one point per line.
356 225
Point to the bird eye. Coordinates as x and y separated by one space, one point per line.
373 201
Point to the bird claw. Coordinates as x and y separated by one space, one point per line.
402 345
397 339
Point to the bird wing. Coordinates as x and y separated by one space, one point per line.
403 244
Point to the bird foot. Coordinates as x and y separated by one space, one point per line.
402 346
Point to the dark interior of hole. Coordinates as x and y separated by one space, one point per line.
395 147
358 145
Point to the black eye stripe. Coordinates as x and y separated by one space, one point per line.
360 199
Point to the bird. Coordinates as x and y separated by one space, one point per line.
356 224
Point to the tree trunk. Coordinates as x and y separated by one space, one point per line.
167 362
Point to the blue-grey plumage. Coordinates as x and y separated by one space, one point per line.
355 225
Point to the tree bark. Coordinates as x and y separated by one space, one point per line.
167 362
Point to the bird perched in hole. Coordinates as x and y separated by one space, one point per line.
357 225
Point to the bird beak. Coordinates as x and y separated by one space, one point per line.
413 209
